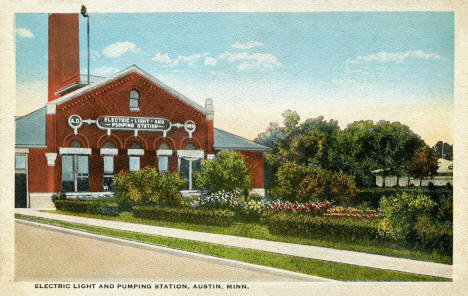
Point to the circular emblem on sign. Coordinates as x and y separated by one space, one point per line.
75 121
189 126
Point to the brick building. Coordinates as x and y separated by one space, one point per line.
86 133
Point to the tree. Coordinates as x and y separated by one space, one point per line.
310 143
271 135
364 146
290 119
423 164
227 172
443 150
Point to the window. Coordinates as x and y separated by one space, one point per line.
134 161
75 144
20 162
134 101
75 171
189 162
163 158
108 178
134 164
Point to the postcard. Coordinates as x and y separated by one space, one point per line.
233 149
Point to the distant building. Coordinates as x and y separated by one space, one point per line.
443 177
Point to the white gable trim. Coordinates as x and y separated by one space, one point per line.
119 75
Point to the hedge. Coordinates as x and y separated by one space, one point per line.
187 215
372 196
104 207
314 227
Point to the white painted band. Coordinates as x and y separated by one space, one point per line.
70 150
191 153
136 152
163 152
109 151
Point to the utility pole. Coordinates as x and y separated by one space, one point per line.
84 13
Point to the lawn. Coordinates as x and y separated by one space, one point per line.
259 231
331 270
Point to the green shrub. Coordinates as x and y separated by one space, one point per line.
58 196
187 215
147 187
104 207
400 213
288 178
254 197
227 172
430 233
298 183
371 196
319 227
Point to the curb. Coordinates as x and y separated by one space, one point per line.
177 252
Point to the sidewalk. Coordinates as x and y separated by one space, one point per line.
327 254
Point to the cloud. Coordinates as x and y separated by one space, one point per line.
104 71
261 61
94 55
162 58
248 45
188 60
397 57
119 48
25 33
210 61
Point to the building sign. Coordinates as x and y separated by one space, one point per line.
128 123
75 122
132 123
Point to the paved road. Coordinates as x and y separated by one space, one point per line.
43 254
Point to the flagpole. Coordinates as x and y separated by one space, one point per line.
84 13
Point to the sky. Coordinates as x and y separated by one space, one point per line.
347 66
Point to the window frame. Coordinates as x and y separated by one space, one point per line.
132 105
75 172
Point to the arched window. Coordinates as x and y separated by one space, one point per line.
190 146
75 144
108 144
134 101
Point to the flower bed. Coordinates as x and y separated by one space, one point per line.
104 207
304 208
341 212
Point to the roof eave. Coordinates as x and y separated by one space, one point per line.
121 74
242 149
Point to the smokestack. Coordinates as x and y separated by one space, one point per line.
64 54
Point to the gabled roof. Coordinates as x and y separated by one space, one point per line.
227 141
31 129
118 75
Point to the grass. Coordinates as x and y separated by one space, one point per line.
331 270
259 231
